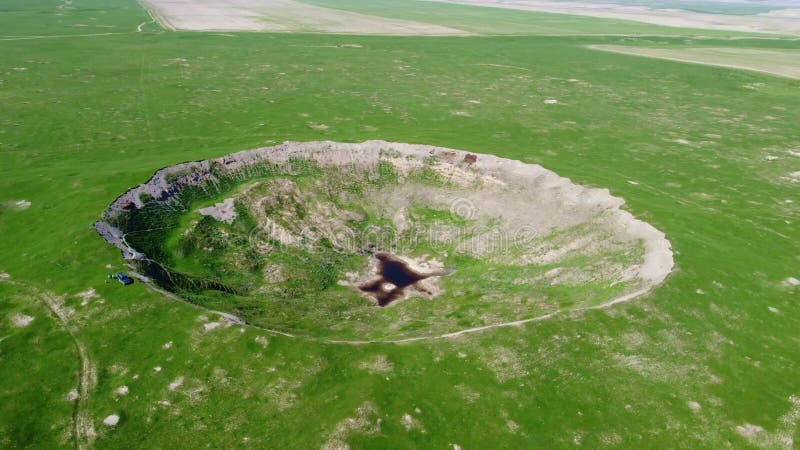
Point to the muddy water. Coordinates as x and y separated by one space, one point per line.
395 276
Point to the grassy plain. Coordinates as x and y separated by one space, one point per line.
781 62
703 153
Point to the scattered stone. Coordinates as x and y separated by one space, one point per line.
749 430
694 406
700 292
121 391
318 126
157 369
773 309
550 101
87 295
378 364
4 276
23 204
21 320
111 421
408 422
72 395
792 281
167 346
366 421
176 383
210 326
772 158
261 340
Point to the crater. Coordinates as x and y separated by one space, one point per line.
320 238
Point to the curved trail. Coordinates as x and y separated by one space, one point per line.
453 334
82 426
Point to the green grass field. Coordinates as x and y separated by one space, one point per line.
705 154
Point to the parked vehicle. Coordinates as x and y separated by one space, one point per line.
124 279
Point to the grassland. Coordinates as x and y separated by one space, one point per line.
704 153
780 62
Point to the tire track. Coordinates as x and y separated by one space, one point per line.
82 426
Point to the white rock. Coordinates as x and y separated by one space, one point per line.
176 383
122 390
210 326
111 421
21 320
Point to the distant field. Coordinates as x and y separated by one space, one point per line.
281 16
783 21
784 63
388 17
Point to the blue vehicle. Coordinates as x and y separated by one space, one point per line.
124 279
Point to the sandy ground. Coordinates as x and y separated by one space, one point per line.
279 16
784 63
782 22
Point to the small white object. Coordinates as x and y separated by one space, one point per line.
111 421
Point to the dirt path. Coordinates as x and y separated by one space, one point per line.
82 426
514 323
454 334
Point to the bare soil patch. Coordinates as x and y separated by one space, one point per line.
280 16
